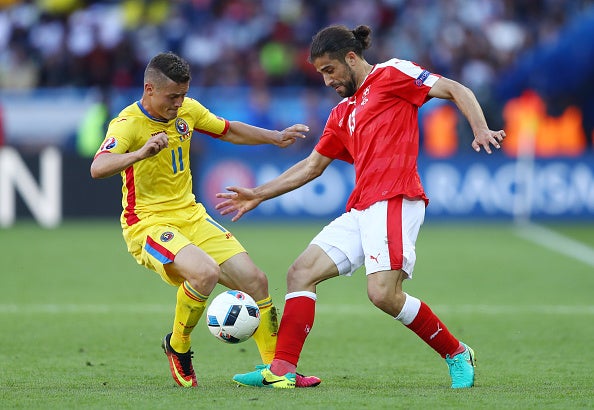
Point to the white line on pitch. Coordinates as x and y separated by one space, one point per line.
471 309
557 242
84 308
324 309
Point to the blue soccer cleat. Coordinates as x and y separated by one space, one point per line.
301 381
462 368
263 377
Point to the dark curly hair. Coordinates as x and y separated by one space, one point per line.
338 40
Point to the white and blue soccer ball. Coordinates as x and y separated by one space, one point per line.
233 316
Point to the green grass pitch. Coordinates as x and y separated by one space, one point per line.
81 324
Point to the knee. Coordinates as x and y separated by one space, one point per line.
204 277
388 300
255 283
377 297
298 277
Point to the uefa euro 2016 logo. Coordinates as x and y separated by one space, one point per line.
421 78
108 144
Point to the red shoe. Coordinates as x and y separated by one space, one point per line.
306 381
180 364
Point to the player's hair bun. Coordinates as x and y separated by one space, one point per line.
363 35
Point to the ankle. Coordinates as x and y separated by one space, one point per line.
281 367
461 348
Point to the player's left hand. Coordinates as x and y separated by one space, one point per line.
289 135
487 139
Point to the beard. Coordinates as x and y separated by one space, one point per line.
350 85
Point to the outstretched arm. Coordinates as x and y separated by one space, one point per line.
246 134
467 103
241 200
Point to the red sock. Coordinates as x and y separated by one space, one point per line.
432 330
296 323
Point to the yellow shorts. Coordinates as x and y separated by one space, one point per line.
155 241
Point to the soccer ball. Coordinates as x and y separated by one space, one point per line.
233 316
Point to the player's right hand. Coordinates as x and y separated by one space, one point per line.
239 200
154 145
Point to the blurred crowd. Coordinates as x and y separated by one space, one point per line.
258 45
55 43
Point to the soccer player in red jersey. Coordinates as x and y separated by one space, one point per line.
374 127
164 227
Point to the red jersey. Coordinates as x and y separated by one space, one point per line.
377 130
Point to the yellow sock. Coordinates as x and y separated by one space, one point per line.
188 309
265 336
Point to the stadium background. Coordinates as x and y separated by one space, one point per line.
82 323
66 67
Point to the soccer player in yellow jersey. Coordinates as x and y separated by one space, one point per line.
164 227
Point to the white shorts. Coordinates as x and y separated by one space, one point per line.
382 237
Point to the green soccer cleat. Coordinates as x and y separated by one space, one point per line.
301 381
462 368
263 377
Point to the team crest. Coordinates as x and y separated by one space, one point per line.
166 236
182 126
109 143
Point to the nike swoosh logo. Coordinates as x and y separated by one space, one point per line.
266 382
182 381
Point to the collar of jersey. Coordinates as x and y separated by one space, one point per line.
145 112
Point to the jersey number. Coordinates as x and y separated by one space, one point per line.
179 160
351 121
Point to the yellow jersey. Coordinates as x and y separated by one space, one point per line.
162 183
